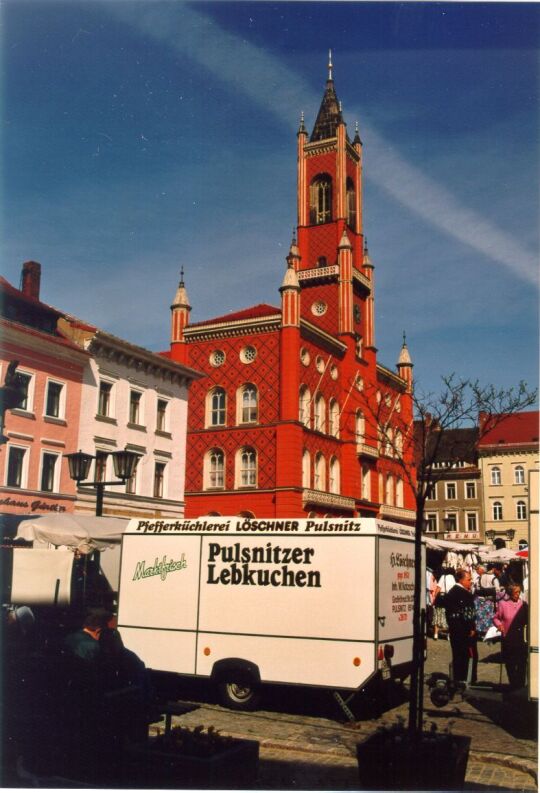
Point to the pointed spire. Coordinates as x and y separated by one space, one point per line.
329 115
293 256
357 138
181 298
302 128
345 241
404 356
366 259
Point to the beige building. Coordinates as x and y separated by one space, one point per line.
454 509
507 454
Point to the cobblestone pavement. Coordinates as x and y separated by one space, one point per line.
306 743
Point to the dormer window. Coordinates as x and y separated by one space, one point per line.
320 199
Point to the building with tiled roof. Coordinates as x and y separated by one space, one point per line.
87 390
287 421
508 453
33 477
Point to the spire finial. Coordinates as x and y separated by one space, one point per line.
182 275
294 236
404 339
365 245
356 127
302 127
330 65
340 106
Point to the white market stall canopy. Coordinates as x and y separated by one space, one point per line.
484 552
84 533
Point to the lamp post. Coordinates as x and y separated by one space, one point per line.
125 464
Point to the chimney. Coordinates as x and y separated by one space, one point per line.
30 279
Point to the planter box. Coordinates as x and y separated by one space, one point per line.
233 767
429 761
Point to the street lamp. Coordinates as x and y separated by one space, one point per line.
124 462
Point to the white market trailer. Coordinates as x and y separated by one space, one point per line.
322 602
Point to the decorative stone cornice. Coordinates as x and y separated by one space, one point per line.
320 147
361 279
388 374
321 336
327 499
243 327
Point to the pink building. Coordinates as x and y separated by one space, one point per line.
34 477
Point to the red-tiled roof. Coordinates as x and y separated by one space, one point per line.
253 312
11 290
519 428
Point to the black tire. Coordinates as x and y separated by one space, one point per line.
239 695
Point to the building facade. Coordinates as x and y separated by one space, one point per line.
507 455
454 508
296 416
137 400
91 391
33 477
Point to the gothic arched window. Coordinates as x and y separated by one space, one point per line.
214 465
351 204
246 467
247 403
216 407
320 199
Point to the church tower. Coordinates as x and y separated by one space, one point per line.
288 418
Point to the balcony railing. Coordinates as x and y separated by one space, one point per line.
326 499
367 451
397 513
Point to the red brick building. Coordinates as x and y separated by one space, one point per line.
285 421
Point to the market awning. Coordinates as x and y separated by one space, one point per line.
85 533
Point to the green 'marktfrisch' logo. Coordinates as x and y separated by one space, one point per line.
161 568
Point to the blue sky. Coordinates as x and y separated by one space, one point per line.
140 137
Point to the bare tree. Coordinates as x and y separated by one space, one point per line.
414 448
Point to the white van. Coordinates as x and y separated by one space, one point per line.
319 602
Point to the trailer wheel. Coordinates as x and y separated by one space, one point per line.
238 695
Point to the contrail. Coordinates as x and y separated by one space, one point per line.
273 87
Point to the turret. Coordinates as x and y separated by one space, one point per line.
180 309
405 365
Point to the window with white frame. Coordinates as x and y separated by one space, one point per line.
398 443
333 476
389 490
246 464
495 475
333 418
304 406
360 427
320 472
430 522
162 415
431 492
160 469
451 491
214 474
399 492
390 441
366 482
451 521
135 398
472 521
519 475
319 418
55 400
248 404
497 510
521 510
17 466
105 398
216 407
306 469
50 471
26 387
470 490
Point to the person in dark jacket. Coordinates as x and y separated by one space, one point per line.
460 615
